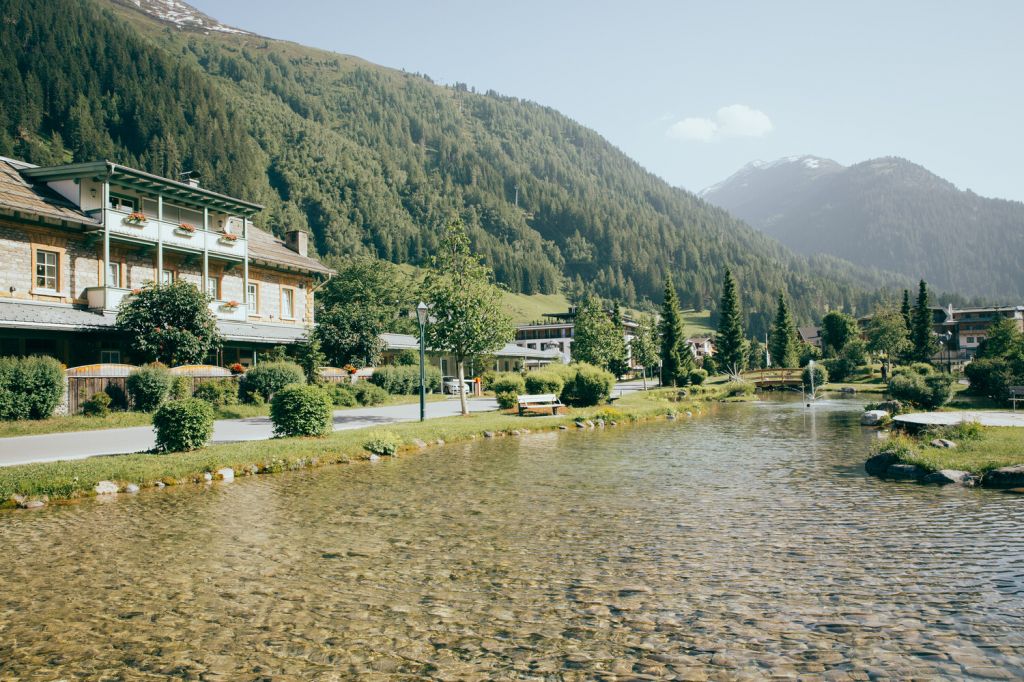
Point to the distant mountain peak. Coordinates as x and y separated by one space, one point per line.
804 164
180 14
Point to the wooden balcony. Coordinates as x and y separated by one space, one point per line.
174 236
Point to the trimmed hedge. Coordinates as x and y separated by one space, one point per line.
218 392
299 410
405 379
368 394
540 381
342 395
148 387
267 378
589 385
183 425
925 389
30 388
507 389
97 406
698 376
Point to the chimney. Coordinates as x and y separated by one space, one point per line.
193 182
297 241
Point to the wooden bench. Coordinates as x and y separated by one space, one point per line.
541 402
1016 395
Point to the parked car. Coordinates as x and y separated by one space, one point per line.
451 385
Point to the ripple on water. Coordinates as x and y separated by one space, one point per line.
747 543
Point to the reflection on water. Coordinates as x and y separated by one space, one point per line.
748 542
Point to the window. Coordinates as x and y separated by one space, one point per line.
113 275
167 276
288 303
213 287
46 269
125 204
970 339
252 295
110 357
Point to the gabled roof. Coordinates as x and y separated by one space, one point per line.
509 350
265 248
34 200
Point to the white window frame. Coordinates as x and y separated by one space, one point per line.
289 312
113 274
252 295
166 276
41 263
215 281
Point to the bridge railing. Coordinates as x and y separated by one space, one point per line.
774 376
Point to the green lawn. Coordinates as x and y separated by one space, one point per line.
70 479
998 446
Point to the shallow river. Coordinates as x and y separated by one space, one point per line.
746 543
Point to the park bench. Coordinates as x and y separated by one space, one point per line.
1016 395
540 402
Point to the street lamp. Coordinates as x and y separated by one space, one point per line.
421 315
949 351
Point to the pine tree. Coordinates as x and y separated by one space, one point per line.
905 311
645 346
676 359
782 342
619 362
730 345
921 335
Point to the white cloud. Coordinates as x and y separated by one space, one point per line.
735 120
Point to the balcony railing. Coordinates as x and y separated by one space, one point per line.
109 298
173 235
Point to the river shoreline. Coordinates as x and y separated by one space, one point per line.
33 486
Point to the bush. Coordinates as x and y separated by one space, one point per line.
541 381
183 425
738 388
368 394
589 386
820 375
991 377
408 357
30 388
698 376
382 444
507 388
963 432
838 369
267 378
925 390
148 387
181 388
342 395
218 392
299 410
97 406
405 379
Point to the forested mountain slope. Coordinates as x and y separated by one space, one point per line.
377 160
889 213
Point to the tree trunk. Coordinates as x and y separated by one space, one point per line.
645 378
462 387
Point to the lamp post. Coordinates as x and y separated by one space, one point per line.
421 316
949 351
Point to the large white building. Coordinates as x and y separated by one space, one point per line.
557 331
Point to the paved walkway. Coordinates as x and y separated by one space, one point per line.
985 418
80 444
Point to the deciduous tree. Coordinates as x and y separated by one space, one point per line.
171 324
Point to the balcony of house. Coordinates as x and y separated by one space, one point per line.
109 298
140 227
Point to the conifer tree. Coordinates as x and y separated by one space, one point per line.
731 347
905 311
921 335
645 346
619 362
782 342
676 359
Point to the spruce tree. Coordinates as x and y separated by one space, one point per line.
782 342
618 364
676 359
921 335
905 311
730 345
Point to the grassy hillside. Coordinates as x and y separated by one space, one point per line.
373 160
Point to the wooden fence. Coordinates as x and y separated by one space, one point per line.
85 381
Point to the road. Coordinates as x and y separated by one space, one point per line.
80 444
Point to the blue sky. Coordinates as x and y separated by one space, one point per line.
693 91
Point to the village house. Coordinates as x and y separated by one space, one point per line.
75 240
701 347
961 330
557 330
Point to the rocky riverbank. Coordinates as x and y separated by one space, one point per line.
904 459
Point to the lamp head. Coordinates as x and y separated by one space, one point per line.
421 312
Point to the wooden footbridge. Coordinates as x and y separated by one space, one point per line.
775 377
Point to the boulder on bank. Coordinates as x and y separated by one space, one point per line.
1005 477
877 465
951 476
905 472
106 488
847 389
942 443
227 474
874 418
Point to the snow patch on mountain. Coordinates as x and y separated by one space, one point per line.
182 15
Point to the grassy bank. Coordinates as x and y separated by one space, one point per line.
979 449
63 480
119 420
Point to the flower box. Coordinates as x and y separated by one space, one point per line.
228 237
230 305
185 229
136 218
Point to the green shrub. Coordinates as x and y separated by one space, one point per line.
405 379
963 432
589 385
992 377
369 394
738 388
299 410
30 388
698 376
820 375
507 388
541 381
148 387
183 425
382 444
97 406
925 390
838 369
218 392
342 395
487 378
267 378
408 357
181 388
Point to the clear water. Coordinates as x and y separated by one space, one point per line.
746 543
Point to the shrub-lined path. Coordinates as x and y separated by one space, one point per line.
79 444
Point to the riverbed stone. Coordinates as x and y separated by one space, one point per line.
1005 477
207 477
33 504
419 443
942 443
563 427
580 425
874 417
488 434
877 465
131 488
106 488
950 476
439 441
905 472
227 474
